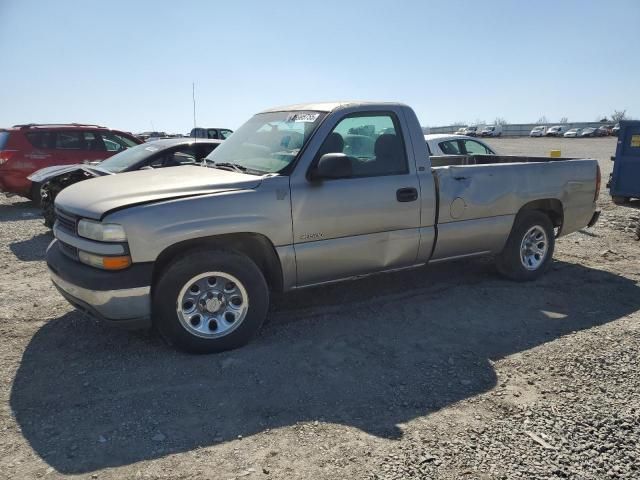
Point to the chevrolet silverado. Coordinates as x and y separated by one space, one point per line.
300 196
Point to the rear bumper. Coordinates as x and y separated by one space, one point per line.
91 290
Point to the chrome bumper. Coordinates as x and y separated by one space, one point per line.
129 308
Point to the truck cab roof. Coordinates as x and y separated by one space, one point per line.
329 106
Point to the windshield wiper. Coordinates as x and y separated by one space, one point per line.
229 165
233 166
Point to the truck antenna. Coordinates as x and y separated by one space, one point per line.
193 96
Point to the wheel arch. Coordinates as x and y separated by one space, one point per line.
552 207
254 245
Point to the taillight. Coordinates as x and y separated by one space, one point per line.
598 182
5 155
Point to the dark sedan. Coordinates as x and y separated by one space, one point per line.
589 132
170 152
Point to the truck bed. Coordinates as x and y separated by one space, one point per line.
479 196
449 160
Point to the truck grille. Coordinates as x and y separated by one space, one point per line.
66 221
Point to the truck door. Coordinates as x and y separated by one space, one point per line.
366 222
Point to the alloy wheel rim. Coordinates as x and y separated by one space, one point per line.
212 305
534 248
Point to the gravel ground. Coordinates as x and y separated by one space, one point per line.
448 372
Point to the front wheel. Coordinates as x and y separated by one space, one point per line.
47 204
210 301
35 194
529 248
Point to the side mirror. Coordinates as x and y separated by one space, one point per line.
332 166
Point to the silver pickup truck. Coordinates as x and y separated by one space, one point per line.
300 196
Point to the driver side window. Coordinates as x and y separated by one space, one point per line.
372 142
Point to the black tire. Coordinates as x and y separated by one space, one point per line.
509 262
179 273
620 200
47 205
35 194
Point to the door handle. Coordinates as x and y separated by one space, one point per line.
407 195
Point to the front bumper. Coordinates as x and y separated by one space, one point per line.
92 291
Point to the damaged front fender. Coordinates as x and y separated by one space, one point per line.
55 179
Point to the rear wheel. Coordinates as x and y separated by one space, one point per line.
209 302
529 248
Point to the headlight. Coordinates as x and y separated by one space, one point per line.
106 263
102 232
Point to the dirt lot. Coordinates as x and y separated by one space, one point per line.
448 372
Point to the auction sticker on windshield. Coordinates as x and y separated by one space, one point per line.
635 140
303 117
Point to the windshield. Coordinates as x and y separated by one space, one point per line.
268 142
129 157
538 128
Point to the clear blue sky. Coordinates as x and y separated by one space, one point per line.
128 64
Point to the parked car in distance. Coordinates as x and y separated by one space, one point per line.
538 131
604 130
556 131
214 133
158 154
471 131
573 133
295 198
615 130
27 148
588 132
151 136
443 144
491 131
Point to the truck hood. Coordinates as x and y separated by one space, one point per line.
95 197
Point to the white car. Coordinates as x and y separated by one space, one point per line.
573 133
444 144
469 131
556 131
538 131
491 131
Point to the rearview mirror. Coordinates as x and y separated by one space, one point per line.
332 166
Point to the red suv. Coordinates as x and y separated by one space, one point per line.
27 148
